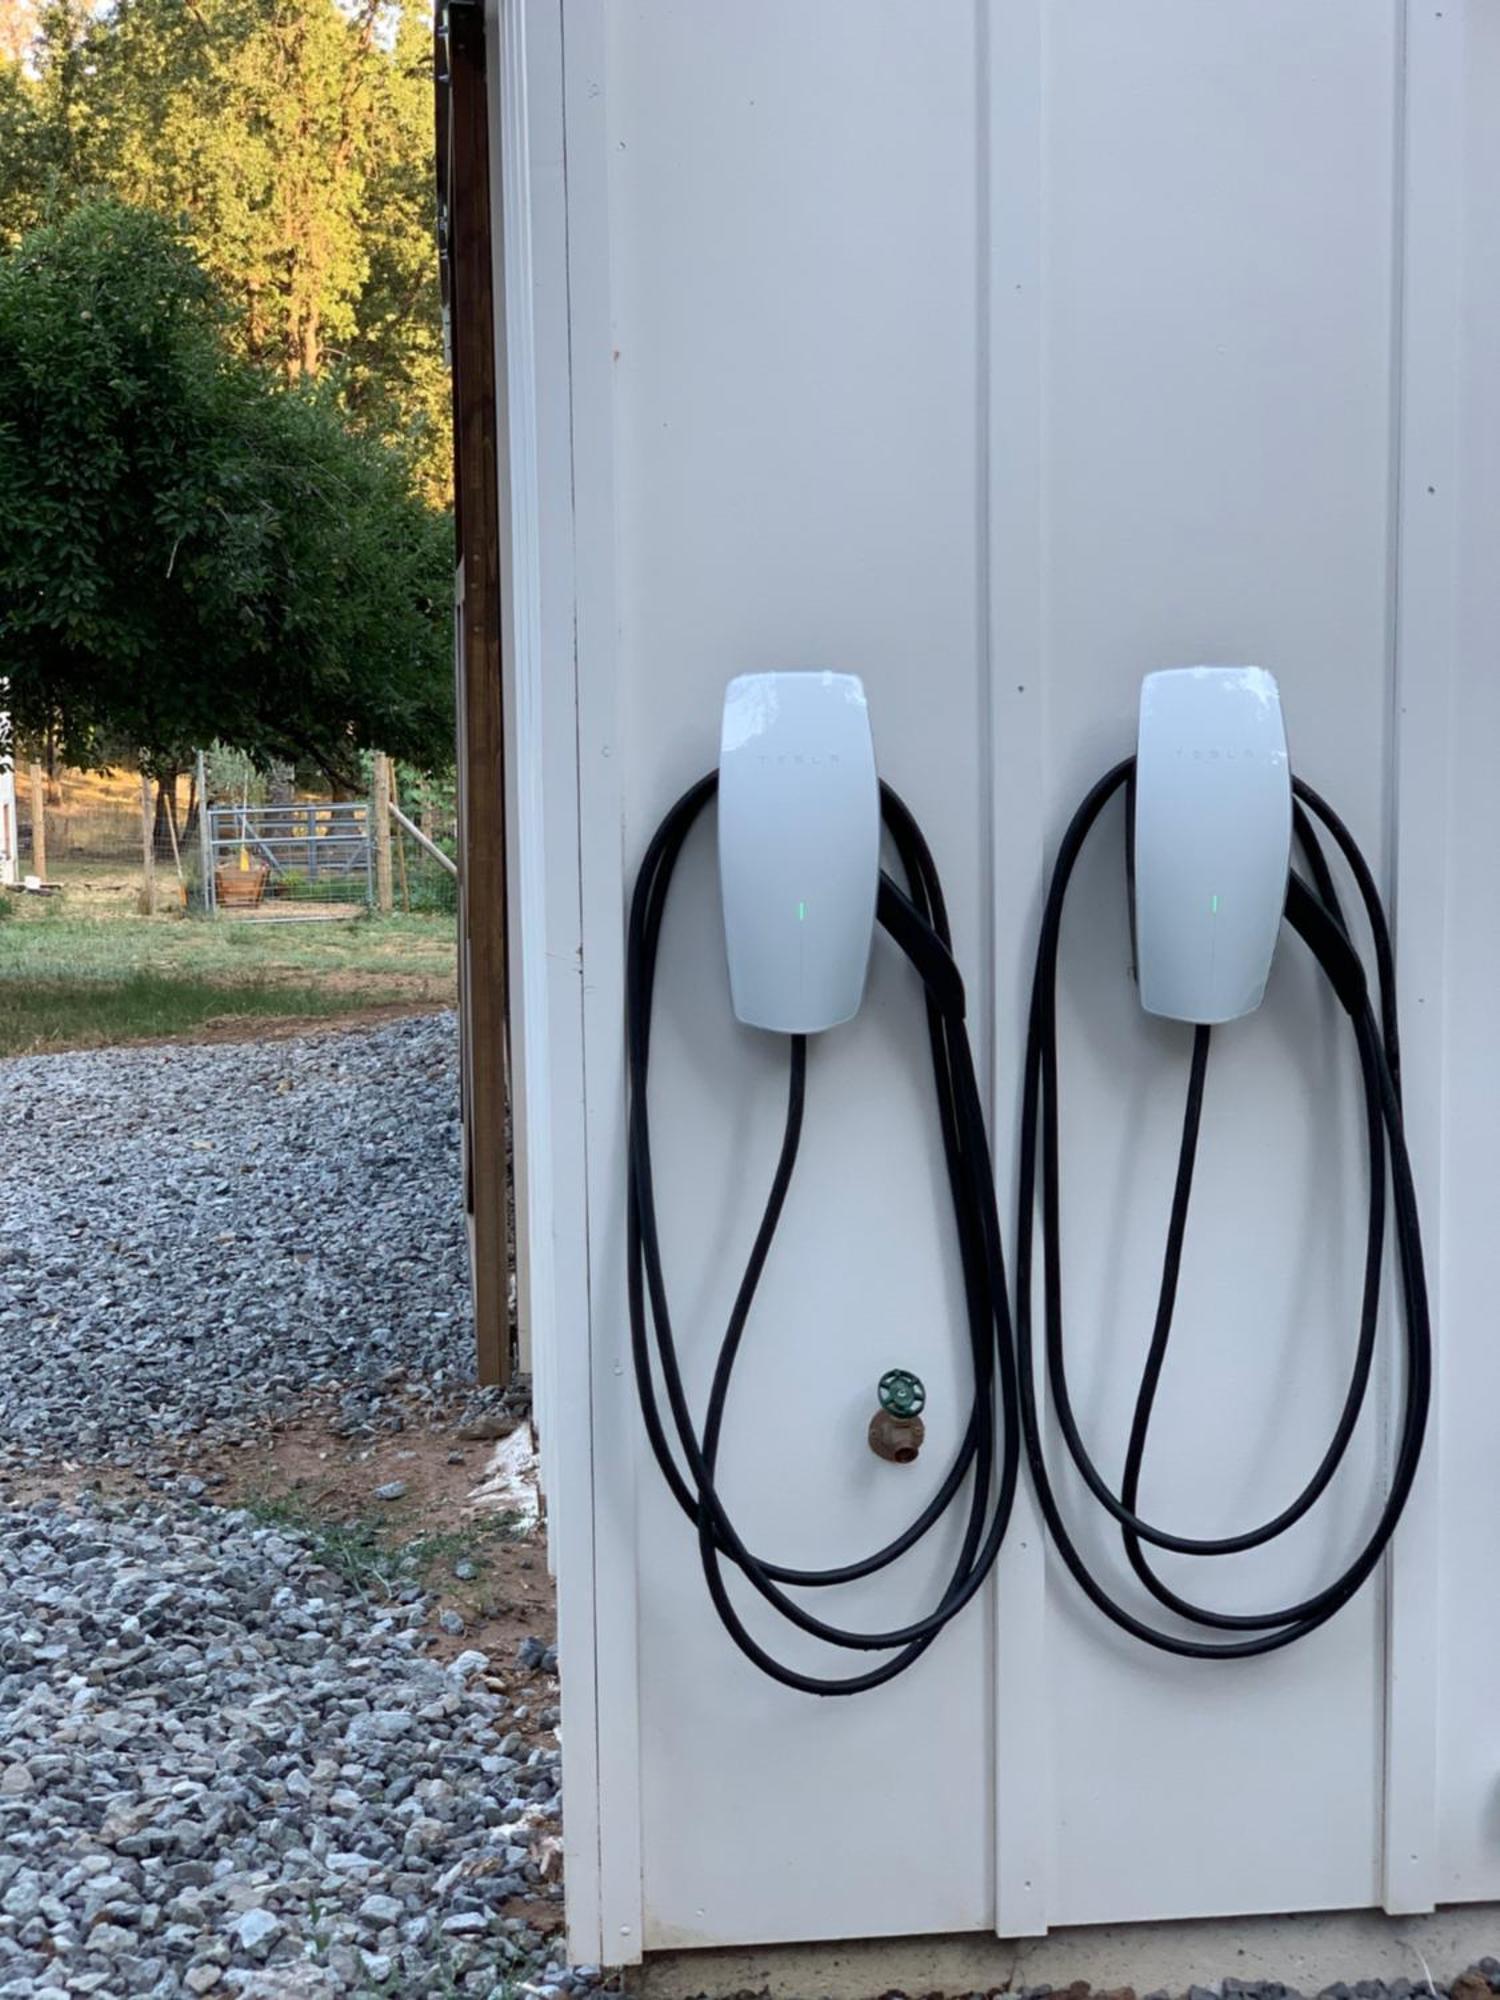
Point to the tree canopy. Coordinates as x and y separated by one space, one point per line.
291 140
193 546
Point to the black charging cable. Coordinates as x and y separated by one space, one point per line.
917 920
1314 913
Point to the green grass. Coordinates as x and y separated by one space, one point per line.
360 1551
49 936
377 1553
71 979
59 1013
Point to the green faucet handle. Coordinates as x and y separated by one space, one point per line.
901 1393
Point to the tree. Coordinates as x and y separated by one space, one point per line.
190 547
253 120
392 370
293 141
42 69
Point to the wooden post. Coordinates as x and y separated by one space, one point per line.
399 817
429 846
465 171
380 812
172 836
148 850
10 832
38 820
205 837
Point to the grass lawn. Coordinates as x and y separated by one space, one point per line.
78 973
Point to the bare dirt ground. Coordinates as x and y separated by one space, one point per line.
252 1028
308 1474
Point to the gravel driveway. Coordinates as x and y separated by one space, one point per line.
224 1768
221 1774
191 1236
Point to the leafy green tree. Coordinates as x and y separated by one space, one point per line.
190 547
293 141
392 370
253 120
42 70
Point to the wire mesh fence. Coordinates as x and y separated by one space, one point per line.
97 851
298 856
420 884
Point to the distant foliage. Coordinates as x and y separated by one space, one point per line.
232 775
292 140
191 547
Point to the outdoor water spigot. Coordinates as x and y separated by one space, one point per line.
896 1429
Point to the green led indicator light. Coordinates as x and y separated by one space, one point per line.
1213 906
802 913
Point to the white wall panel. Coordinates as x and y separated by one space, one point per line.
1217 319
794 229
1001 353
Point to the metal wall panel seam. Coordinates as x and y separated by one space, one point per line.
602 874
1424 631
551 1074
547 791
1011 71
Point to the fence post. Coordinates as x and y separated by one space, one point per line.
38 821
148 850
10 832
400 839
205 837
380 812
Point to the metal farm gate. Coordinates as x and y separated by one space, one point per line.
279 859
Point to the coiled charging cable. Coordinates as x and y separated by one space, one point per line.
1313 912
917 920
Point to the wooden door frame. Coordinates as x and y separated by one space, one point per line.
464 235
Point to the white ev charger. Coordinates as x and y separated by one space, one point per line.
799 848
1214 814
1212 840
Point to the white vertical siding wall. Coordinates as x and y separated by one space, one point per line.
1000 353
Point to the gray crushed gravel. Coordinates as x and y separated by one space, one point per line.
193 1236
223 1772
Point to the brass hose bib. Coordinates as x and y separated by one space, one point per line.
896 1429
898 1439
